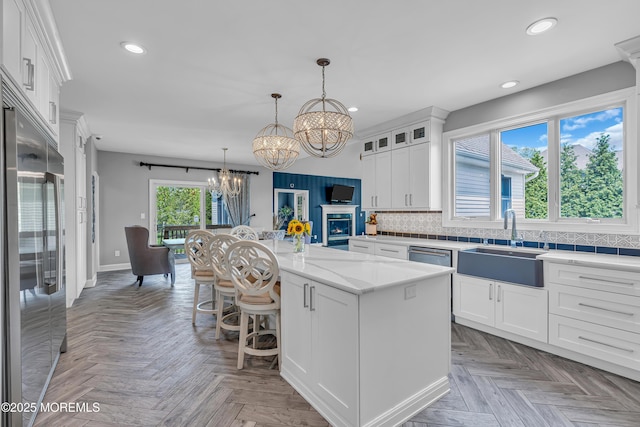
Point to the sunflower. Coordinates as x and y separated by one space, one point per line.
294 227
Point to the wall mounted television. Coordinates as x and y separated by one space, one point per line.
342 193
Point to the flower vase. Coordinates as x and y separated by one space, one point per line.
298 243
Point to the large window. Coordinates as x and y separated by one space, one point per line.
181 206
561 166
473 176
591 165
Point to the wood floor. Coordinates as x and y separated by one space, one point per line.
133 351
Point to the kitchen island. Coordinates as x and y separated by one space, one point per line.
365 339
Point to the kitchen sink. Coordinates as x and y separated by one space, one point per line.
506 265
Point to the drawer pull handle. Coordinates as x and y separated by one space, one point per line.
605 344
312 306
389 250
605 280
304 295
361 247
605 309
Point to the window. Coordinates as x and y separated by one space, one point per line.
591 165
523 161
555 168
473 187
180 206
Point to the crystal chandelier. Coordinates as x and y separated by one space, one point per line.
227 184
274 146
323 133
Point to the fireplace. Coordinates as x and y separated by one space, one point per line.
338 223
338 229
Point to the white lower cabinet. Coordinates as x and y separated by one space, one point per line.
518 309
595 312
321 352
371 359
391 251
362 247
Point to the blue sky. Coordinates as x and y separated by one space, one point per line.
583 129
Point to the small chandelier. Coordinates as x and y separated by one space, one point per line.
274 146
227 184
323 133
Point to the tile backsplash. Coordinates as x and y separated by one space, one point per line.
430 223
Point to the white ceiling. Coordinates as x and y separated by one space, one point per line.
206 80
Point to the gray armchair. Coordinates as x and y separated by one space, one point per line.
146 259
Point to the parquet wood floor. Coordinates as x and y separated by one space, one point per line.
134 351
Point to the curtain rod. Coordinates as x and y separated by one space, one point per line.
186 168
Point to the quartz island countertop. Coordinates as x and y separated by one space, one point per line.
353 272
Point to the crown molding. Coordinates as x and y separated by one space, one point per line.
630 50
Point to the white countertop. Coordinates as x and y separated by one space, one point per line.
410 241
353 272
617 262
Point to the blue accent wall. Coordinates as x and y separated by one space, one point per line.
319 192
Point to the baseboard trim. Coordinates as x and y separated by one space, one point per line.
558 351
115 267
90 283
411 406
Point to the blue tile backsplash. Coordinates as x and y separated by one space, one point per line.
429 225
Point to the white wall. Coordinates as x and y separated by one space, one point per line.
124 195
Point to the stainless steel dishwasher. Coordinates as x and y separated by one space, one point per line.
430 255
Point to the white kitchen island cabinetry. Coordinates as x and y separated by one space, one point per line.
365 339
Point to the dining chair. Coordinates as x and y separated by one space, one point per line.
244 232
196 247
222 284
254 272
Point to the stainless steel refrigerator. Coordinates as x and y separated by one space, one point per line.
32 272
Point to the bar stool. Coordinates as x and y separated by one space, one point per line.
254 272
223 287
244 232
196 247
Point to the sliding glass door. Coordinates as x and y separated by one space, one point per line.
177 207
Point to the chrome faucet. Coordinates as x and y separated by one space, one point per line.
514 232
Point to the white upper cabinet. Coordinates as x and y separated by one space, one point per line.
377 144
420 132
410 178
33 65
12 19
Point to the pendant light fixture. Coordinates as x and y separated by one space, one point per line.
274 146
228 184
323 133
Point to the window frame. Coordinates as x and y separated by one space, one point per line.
625 98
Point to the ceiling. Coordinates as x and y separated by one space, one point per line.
210 67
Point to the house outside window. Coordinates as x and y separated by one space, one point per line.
559 169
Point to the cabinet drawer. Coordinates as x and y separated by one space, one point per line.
363 247
392 251
605 308
621 282
609 344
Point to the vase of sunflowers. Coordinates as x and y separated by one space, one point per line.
297 230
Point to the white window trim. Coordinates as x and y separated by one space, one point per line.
626 97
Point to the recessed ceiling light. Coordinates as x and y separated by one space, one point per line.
541 26
509 84
352 109
133 48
